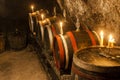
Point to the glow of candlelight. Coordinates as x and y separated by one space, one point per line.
32 8
61 25
42 16
101 38
111 41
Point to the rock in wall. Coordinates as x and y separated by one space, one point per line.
97 14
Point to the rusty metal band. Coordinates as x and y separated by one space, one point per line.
61 49
53 30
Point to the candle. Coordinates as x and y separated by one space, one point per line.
111 41
32 8
42 16
101 38
61 25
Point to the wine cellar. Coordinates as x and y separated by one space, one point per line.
60 40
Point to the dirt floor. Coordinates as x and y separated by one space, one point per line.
21 65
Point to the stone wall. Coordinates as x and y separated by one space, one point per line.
97 14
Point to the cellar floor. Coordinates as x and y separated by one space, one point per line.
21 65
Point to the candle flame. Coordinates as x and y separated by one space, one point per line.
32 8
101 34
111 39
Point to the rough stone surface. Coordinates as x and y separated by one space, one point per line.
21 65
97 14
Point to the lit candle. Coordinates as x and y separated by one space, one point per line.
111 41
32 8
42 16
101 38
61 25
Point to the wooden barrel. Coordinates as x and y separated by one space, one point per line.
34 17
17 40
95 63
41 25
32 22
2 42
65 46
53 30
45 24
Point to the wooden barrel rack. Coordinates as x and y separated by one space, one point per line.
65 49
